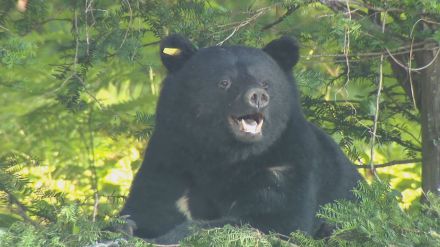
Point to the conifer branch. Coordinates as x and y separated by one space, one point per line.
392 163
290 10
244 23
21 208
376 113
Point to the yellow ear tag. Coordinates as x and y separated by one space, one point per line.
172 51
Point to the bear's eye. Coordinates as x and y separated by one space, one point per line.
264 84
225 84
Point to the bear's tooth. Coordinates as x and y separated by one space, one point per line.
259 126
249 126
250 122
244 126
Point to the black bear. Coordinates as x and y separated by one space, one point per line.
231 146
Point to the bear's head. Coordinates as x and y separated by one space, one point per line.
232 99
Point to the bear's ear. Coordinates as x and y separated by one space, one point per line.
285 51
175 50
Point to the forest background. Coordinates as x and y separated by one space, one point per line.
79 82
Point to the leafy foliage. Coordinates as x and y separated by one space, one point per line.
14 186
71 228
376 219
79 82
231 236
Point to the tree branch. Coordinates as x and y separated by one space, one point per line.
244 23
290 10
21 208
392 163
339 6
151 43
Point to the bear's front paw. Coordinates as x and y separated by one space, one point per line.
125 226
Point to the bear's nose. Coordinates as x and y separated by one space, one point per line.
257 98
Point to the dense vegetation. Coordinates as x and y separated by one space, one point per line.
79 81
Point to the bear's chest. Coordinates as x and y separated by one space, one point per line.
213 194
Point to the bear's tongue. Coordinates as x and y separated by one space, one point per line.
250 126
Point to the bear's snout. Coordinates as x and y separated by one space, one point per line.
257 98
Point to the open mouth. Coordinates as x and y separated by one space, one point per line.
250 124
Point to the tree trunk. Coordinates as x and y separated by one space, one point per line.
430 120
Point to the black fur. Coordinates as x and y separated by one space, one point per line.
285 51
175 62
275 183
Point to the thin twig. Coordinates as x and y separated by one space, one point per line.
93 166
415 69
244 23
392 163
151 43
88 6
290 10
2 27
87 91
21 208
346 51
54 19
430 63
362 4
376 114
347 44
88 143
411 83
129 23
430 21
374 54
75 60
408 133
